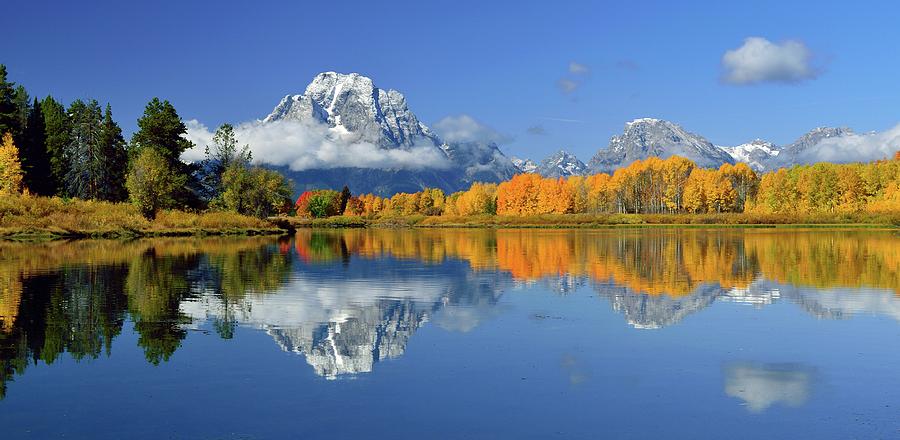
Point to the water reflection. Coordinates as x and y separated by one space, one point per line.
347 299
763 385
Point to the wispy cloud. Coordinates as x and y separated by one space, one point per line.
536 130
576 68
310 145
759 60
465 128
865 147
577 71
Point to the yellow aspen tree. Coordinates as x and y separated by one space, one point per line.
10 167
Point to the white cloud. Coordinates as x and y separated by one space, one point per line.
854 147
763 385
759 60
578 68
310 145
464 128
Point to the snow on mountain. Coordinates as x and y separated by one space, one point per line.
758 154
351 105
561 164
646 137
798 151
765 156
524 165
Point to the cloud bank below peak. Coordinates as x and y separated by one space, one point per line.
309 145
759 60
866 147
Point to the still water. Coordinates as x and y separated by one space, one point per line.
400 334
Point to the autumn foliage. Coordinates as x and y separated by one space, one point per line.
653 186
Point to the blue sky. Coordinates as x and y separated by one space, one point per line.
505 64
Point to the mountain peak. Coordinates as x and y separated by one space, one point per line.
647 137
644 121
352 107
524 165
561 164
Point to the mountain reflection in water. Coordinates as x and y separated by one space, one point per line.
347 299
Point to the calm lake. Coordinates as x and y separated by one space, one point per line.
402 334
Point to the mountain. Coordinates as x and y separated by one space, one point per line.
647 137
801 150
351 106
759 154
764 156
561 164
524 165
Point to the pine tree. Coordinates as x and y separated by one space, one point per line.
161 128
57 131
345 196
219 157
85 151
35 160
112 180
8 110
23 108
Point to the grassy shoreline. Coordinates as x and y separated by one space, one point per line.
27 218
599 221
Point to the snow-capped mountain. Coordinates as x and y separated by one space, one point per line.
799 151
764 156
561 164
646 137
351 105
524 165
758 154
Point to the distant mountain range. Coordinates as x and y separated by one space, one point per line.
350 104
646 137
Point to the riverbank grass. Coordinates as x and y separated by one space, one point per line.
865 220
30 217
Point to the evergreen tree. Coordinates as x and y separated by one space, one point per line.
219 157
84 153
115 159
23 108
345 196
57 133
161 128
35 160
8 110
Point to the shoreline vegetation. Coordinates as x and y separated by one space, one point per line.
599 221
35 218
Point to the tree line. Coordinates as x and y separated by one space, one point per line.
79 151
651 186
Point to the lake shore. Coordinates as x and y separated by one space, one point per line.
27 218
568 221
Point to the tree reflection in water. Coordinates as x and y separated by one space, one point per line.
347 299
